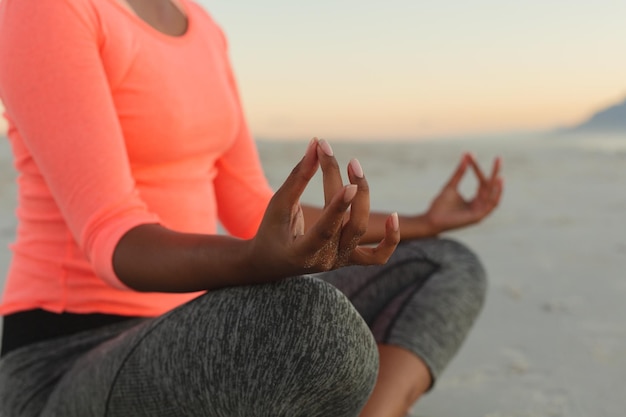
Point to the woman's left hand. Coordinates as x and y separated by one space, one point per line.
450 210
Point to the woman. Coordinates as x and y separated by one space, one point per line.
130 144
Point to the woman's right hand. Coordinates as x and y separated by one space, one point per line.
283 247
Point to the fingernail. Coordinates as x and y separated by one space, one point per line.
395 221
326 147
350 192
356 167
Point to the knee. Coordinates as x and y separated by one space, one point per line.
457 255
333 349
464 270
455 264
327 332
311 351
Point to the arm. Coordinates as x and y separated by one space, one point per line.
56 94
240 169
148 256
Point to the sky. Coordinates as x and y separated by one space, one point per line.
411 69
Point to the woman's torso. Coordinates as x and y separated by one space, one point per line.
178 113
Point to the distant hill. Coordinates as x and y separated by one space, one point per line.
608 120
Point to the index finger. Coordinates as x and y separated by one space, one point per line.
289 193
457 176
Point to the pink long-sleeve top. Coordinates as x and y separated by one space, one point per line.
114 124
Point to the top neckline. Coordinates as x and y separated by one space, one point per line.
180 4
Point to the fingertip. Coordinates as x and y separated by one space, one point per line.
325 147
301 174
392 235
310 158
313 144
356 168
395 221
310 162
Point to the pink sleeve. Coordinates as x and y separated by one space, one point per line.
242 190
57 96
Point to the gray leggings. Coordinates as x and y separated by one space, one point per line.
295 348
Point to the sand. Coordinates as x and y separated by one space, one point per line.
551 340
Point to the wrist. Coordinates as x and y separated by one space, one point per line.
250 269
418 227
258 264
431 225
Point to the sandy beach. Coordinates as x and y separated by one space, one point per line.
551 341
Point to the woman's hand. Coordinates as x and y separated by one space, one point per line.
450 210
283 248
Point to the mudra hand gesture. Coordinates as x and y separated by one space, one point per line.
450 210
283 245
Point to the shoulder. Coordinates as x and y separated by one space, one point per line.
205 19
20 16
